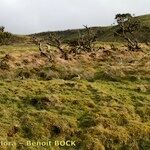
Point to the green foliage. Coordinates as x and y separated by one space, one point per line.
2 28
127 26
5 38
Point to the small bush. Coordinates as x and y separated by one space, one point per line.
4 65
87 120
108 76
5 38
48 75
24 73
40 102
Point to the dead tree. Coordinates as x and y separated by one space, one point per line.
44 52
35 40
127 27
57 41
86 40
74 47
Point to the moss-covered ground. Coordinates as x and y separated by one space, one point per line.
99 100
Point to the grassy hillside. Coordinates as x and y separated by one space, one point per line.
145 19
100 101
105 34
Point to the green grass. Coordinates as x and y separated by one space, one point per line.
99 111
17 48
107 108
145 19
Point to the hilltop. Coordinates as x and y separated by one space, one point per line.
104 33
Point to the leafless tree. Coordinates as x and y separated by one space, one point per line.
84 42
44 52
57 41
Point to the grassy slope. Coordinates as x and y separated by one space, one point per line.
145 19
108 107
106 33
